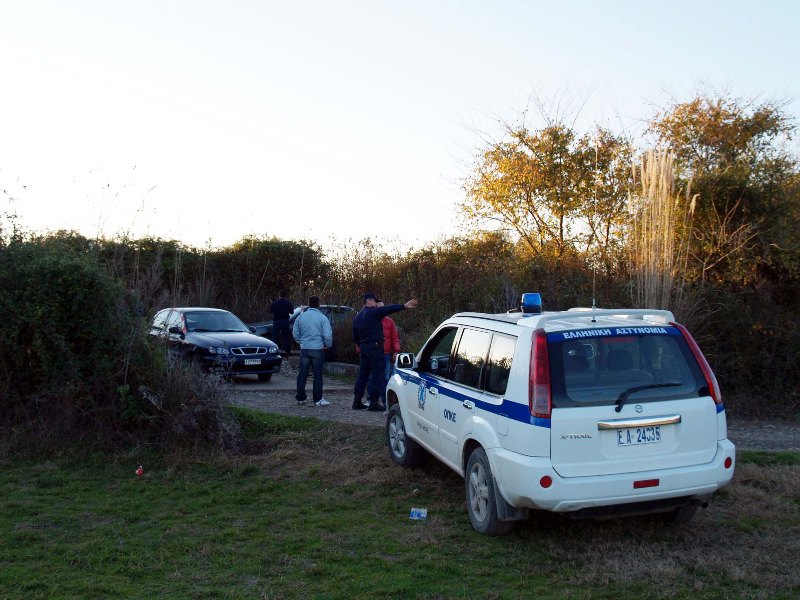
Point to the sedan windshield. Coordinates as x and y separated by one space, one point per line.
213 321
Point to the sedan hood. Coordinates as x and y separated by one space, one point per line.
232 339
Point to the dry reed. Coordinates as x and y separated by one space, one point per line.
659 238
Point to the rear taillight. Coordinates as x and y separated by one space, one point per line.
539 398
711 379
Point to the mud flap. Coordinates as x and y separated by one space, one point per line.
506 512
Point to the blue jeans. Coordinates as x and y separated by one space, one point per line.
387 374
313 359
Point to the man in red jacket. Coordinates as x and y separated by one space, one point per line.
391 346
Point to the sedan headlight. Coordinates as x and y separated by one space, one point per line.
219 350
273 350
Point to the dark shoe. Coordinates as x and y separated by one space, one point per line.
358 406
376 407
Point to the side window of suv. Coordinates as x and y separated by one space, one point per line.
499 366
470 357
436 355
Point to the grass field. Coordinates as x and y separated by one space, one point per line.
320 512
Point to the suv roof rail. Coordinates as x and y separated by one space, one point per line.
665 316
503 317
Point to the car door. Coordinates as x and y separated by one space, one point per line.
460 391
422 392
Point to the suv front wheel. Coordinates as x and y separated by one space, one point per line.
403 451
481 502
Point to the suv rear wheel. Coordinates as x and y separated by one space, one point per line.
403 451
481 502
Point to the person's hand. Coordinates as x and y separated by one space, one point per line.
411 303
358 349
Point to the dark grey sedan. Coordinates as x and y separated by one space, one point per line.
217 340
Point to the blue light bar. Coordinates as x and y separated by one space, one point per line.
531 304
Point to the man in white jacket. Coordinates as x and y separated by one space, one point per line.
312 330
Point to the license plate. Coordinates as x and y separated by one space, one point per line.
639 435
252 361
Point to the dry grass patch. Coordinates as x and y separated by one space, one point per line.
750 535
745 545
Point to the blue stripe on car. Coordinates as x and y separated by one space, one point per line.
511 410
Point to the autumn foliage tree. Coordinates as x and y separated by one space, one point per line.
560 192
735 156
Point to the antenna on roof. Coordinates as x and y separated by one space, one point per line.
596 182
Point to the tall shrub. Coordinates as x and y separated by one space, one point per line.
73 346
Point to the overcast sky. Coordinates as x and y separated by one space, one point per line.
206 121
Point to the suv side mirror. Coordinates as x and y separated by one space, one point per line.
405 360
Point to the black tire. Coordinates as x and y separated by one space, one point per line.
481 504
402 450
264 377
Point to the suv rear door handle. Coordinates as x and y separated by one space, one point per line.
468 404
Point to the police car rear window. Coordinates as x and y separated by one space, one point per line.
594 366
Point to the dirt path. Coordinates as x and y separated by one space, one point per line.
277 396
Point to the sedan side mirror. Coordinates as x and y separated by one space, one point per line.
175 329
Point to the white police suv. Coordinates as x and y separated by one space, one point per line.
594 412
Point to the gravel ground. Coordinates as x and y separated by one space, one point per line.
278 396
283 403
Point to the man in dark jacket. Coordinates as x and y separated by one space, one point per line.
368 337
281 310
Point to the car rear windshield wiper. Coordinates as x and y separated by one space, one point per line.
623 397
